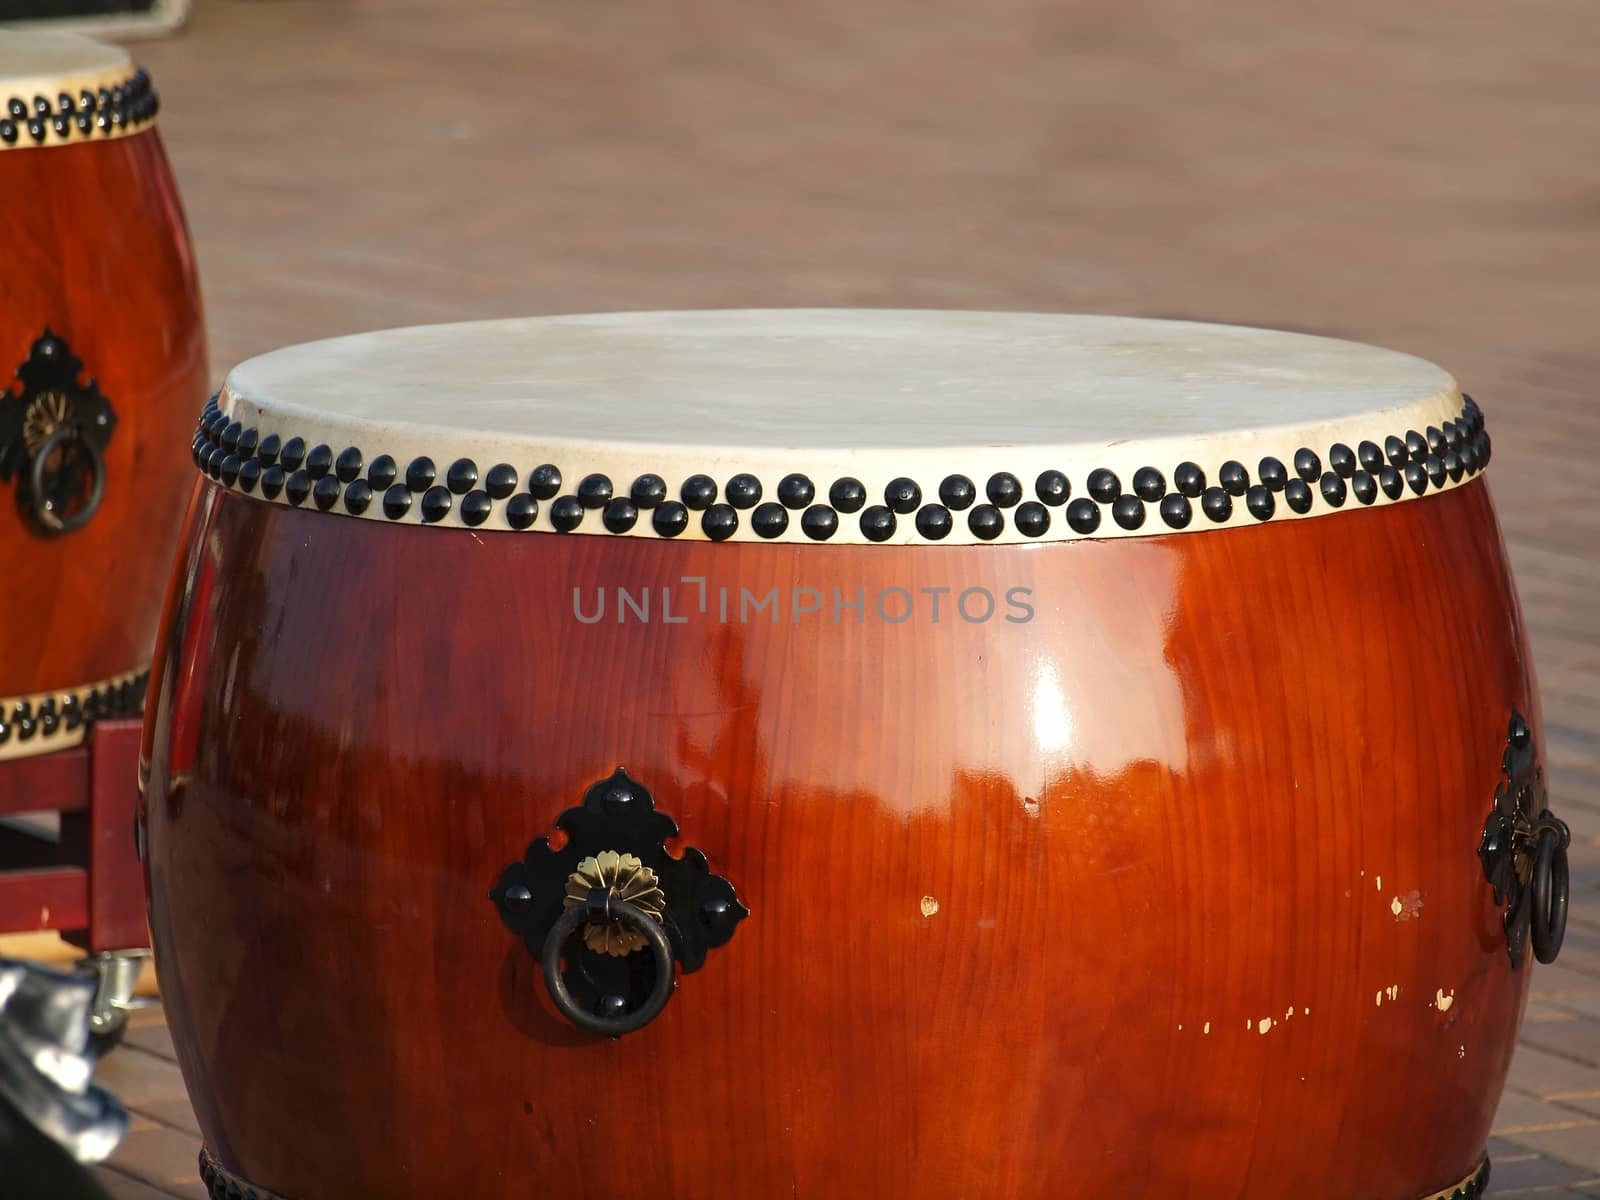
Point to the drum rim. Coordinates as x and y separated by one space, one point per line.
106 97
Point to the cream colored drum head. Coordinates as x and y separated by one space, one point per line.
872 427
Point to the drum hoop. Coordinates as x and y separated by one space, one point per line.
945 506
80 108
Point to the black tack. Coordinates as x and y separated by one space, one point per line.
1083 515
1343 459
819 522
1333 489
566 514
986 522
326 492
648 491
298 486
381 472
620 515
1416 478
670 518
1395 450
934 522
397 501
1306 464
1128 511
796 491
1189 479
743 491
1391 483
293 453
1175 511
545 482
420 474
902 495
594 491
1032 519
357 497
957 492
348 465
436 504
847 495
719 522
1149 484
522 510
698 492
1235 480
1272 474
878 523
1297 495
1364 486
1104 486
1053 488
501 481
462 476
1258 500
1003 489
769 520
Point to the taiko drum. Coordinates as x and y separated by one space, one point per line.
774 754
102 362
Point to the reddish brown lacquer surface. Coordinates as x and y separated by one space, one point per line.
1165 824
96 250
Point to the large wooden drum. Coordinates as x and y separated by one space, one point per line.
830 754
102 362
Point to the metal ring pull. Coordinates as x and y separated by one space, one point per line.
601 907
45 510
1548 886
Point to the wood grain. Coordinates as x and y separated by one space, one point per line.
97 251
1167 824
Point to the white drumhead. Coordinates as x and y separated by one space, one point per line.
43 68
876 396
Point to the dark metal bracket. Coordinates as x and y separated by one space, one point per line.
53 438
611 912
1524 852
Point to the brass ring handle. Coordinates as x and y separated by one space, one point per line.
44 512
600 906
1548 887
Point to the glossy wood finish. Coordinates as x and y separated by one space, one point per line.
1167 825
96 250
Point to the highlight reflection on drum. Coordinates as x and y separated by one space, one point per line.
102 359
845 754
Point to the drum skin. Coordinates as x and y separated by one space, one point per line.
98 253
1172 890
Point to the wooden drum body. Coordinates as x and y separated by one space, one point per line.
102 363
1136 862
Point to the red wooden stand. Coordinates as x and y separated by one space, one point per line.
89 885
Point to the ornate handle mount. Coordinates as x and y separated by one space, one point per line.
53 438
1524 852
611 915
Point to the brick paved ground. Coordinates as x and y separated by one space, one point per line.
1420 176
